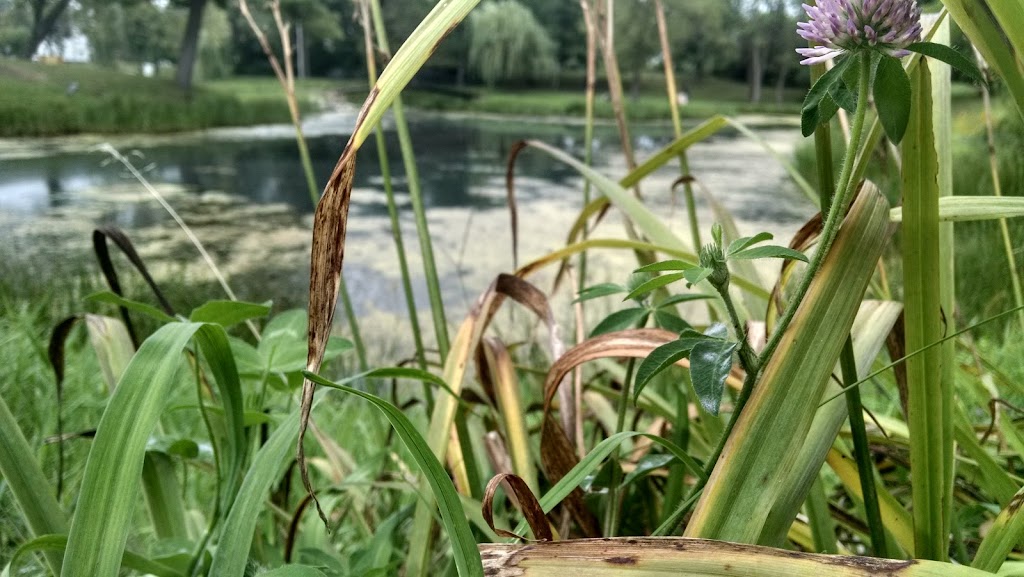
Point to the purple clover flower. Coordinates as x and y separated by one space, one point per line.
840 26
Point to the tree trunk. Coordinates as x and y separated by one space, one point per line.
756 70
301 61
780 82
190 45
43 23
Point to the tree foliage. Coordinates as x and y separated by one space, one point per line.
507 44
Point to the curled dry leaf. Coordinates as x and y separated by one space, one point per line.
528 504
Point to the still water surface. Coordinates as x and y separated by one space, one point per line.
244 193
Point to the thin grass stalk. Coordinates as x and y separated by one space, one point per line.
389 193
286 78
614 497
997 187
415 197
677 125
862 452
588 126
921 265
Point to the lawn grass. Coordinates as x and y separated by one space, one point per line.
60 99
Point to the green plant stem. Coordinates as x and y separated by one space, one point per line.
835 216
416 198
350 313
823 529
614 497
862 452
197 553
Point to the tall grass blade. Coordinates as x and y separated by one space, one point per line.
109 488
467 559
1005 534
31 489
510 408
746 482
56 544
163 496
330 219
928 395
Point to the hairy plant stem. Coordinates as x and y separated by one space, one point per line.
844 191
828 236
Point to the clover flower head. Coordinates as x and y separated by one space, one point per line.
836 27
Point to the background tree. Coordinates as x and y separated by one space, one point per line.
507 44
45 14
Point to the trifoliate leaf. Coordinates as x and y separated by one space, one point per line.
710 363
770 251
620 321
892 97
949 56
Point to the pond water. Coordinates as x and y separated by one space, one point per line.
243 192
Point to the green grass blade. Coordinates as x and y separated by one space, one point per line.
1006 532
57 544
163 496
467 558
232 552
748 480
968 208
921 265
31 489
110 485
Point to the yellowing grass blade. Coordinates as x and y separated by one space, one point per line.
653 557
1005 534
747 480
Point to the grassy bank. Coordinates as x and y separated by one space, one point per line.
60 99
705 99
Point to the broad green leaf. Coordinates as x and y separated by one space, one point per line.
228 313
841 94
949 56
718 331
620 320
467 558
817 99
653 284
665 266
892 97
662 358
148 310
770 251
648 464
747 241
710 363
163 496
820 113
598 291
110 484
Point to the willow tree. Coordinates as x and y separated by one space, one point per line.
507 44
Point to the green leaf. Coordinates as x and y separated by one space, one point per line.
653 285
228 313
770 251
670 322
968 208
467 558
112 473
620 320
747 241
892 97
648 464
841 94
718 331
949 56
710 363
662 358
294 571
598 291
681 298
666 265
59 543
695 275
148 310
817 99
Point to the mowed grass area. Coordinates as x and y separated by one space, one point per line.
59 99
